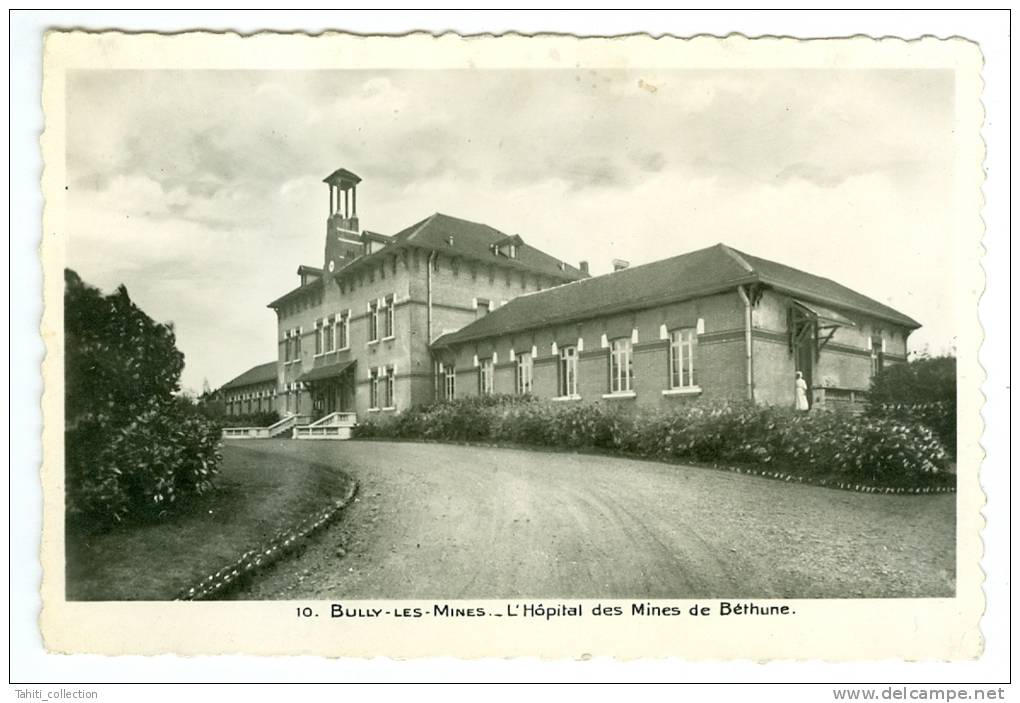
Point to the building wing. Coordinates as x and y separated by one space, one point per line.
263 373
683 277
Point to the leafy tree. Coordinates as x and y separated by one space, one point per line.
131 448
117 358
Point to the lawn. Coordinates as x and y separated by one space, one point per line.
258 493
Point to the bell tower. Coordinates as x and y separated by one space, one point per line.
343 238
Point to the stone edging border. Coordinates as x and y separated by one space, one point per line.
284 542
841 485
777 475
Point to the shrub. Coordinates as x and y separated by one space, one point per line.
133 448
263 419
856 448
820 445
584 425
921 391
149 465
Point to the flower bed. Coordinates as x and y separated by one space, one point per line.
253 561
826 448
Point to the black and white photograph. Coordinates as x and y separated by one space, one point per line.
517 341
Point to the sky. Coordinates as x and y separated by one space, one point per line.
202 191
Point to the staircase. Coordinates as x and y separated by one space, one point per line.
284 426
332 426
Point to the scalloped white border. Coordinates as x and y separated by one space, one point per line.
831 630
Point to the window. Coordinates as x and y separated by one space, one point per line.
621 366
373 322
568 372
343 328
391 374
449 382
485 377
481 307
681 358
388 317
327 333
508 250
373 389
292 346
877 355
524 373
318 337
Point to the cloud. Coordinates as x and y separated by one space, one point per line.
202 189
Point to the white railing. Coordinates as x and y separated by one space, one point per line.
286 424
332 426
340 419
275 430
245 432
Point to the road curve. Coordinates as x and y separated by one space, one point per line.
437 521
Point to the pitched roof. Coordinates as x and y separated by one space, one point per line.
471 240
342 176
263 373
823 290
702 272
295 292
474 240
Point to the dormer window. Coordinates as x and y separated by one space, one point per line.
508 247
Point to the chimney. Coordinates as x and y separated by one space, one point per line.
620 264
584 267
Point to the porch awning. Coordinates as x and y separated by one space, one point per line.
825 316
322 373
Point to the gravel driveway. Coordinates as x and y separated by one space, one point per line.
441 521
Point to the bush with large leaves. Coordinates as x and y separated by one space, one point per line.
132 450
828 446
921 391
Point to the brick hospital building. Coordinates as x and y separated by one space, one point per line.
450 308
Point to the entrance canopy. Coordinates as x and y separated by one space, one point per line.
824 316
329 371
813 324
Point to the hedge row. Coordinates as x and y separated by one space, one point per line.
827 447
263 419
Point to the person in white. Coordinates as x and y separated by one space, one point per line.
802 401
